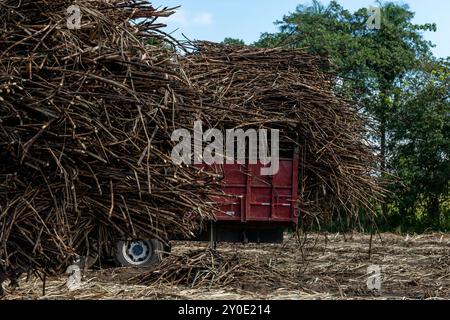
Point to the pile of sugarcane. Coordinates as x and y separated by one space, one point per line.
86 117
205 268
290 91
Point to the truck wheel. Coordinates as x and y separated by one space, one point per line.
139 253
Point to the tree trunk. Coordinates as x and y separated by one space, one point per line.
384 207
434 210
383 145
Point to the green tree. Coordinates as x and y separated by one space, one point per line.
233 41
420 143
370 65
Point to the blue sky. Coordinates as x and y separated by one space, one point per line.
246 19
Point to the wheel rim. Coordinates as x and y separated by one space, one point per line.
137 252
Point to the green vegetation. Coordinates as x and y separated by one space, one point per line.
393 76
232 41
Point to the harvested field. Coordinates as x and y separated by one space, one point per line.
332 266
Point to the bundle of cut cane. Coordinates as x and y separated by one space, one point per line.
85 122
288 90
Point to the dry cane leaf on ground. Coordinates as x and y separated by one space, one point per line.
332 267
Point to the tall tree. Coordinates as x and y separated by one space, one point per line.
420 141
370 64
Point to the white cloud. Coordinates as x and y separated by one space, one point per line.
184 18
204 18
179 17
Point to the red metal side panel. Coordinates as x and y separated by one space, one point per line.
252 197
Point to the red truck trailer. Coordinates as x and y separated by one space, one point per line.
254 208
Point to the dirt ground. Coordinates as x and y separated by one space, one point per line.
331 266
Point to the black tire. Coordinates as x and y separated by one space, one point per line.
139 253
